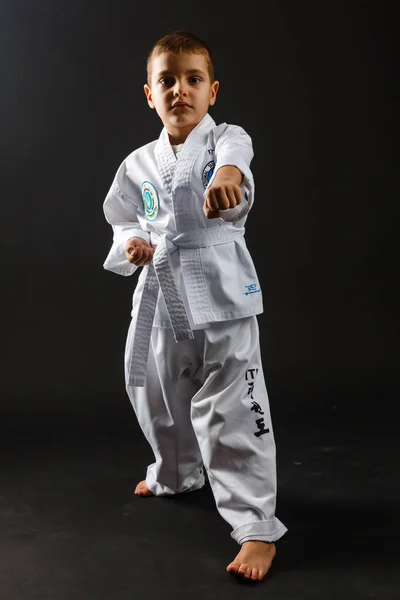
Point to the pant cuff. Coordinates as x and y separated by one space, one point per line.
160 489
263 531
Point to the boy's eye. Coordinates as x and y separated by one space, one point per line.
168 81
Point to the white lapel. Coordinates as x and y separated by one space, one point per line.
177 172
166 161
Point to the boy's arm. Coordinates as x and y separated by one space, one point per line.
121 213
231 188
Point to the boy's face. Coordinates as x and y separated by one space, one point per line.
181 92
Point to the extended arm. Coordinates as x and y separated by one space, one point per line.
232 183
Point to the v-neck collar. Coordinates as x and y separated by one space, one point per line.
167 161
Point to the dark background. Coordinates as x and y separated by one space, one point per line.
312 83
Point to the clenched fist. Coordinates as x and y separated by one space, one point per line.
138 252
220 197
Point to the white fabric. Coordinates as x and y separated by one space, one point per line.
204 405
213 280
176 148
193 340
216 281
161 275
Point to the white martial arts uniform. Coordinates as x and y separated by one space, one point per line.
192 361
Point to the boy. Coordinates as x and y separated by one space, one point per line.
193 370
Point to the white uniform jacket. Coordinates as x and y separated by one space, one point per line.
202 270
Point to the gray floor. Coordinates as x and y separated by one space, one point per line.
71 528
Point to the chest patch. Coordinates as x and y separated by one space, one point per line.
207 173
150 200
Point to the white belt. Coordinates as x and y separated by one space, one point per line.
161 274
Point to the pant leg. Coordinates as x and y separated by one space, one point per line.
162 408
232 421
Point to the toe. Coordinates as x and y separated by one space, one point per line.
261 573
248 572
142 489
254 574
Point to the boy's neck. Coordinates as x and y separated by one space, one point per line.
180 135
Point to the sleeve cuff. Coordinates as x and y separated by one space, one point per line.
116 260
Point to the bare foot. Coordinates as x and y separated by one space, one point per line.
142 489
254 560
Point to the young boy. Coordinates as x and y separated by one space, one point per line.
178 207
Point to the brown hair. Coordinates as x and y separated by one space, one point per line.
181 41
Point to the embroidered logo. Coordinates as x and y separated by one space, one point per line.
251 289
150 200
207 173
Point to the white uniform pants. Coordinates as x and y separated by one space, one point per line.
205 404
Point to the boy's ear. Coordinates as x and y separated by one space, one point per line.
149 96
213 92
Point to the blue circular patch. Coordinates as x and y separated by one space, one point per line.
150 200
208 173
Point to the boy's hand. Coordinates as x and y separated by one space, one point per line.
220 197
138 252
225 191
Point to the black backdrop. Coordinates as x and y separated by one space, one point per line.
312 83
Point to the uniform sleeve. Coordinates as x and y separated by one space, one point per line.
233 146
120 211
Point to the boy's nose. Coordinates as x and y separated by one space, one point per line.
179 88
